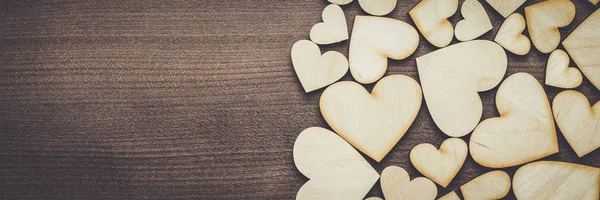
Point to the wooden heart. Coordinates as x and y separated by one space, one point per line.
524 131
509 35
578 121
335 169
440 165
476 21
315 70
583 44
451 78
431 18
450 196
333 28
556 180
374 40
491 185
396 185
378 7
506 7
340 2
544 19
373 123
594 1
558 72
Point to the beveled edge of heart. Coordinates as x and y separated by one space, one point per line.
555 111
444 151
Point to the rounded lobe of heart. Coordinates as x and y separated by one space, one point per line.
333 28
340 2
373 123
435 27
491 185
578 121
373 41
509 35
396 184
524 131
556 180
335 169
315 70
476 22
451 78
544 19
378 7
558 72
440 166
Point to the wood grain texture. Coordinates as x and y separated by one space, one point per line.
186 99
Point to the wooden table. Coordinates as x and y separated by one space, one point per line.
185 99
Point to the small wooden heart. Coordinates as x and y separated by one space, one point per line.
431 18
509 35
491 185
396 185
558 72
315 70
476 21
440 165
378 7
506 7
578 121
544 19
333 28
340 2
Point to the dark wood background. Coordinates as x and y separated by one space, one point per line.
185 99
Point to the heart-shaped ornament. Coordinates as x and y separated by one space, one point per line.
378 7
374 40
476 21
509 35
451 78
491 185
396 185
506 7
557 180
340 2
440 165
373 123
544 19
431 18
333 28
524 131
558 72
578 121
315 70
583 44
335 169
450 196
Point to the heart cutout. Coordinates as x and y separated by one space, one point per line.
544 19
374 40
340 2
451 78
558 72
475 23
578 121
431 18
450 196
335 169
440 165
583 44
373 123
378 7
491 185
594 1
556 180
524 131
333 28
396 184
315 70
506 7
509 35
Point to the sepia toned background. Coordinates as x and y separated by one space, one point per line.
186 99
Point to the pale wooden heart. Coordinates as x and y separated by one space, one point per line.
556 180
333 28
431 18
373 123
578 121
506 7
335 169
509 35
315 70
440 165
476 21
558 72
583 44
373 41
340 2
451 78
524 131
491 185
396 185
594 1
544 19
450 196
378 7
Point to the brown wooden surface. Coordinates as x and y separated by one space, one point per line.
184 99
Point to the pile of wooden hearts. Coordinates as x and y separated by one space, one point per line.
450 79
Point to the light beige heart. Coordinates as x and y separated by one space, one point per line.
583 44
558 72
333 28
378 7
431 18
440 165
476 21
340 2
578 121
544 19
524 131
506 7
491 185
315 70
509 35
335 169
396 185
